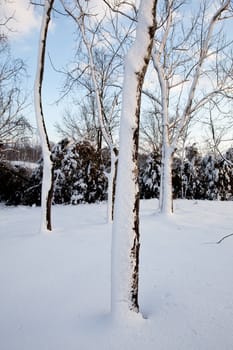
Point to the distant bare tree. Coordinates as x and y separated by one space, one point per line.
220 132
13 123
79 122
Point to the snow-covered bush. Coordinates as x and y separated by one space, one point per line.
78 175
209 177
191 186
224 180
150 177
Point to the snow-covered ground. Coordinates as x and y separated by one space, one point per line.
55 288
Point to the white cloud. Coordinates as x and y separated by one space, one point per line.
24 18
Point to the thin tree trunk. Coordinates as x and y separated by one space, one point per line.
111 186
165 194
126 239
114 185
47 181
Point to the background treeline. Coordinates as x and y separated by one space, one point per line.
80 176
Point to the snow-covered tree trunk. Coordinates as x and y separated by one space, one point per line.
47 182
165 194
165 198
125 235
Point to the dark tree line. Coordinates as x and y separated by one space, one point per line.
80 176
20 151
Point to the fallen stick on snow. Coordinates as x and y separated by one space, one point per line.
218 242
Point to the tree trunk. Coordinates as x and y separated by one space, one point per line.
125 237
47 181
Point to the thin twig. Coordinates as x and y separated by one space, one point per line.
112 8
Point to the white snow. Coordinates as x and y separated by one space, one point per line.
55 288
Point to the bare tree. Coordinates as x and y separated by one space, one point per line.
182 59
126 238
47 182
